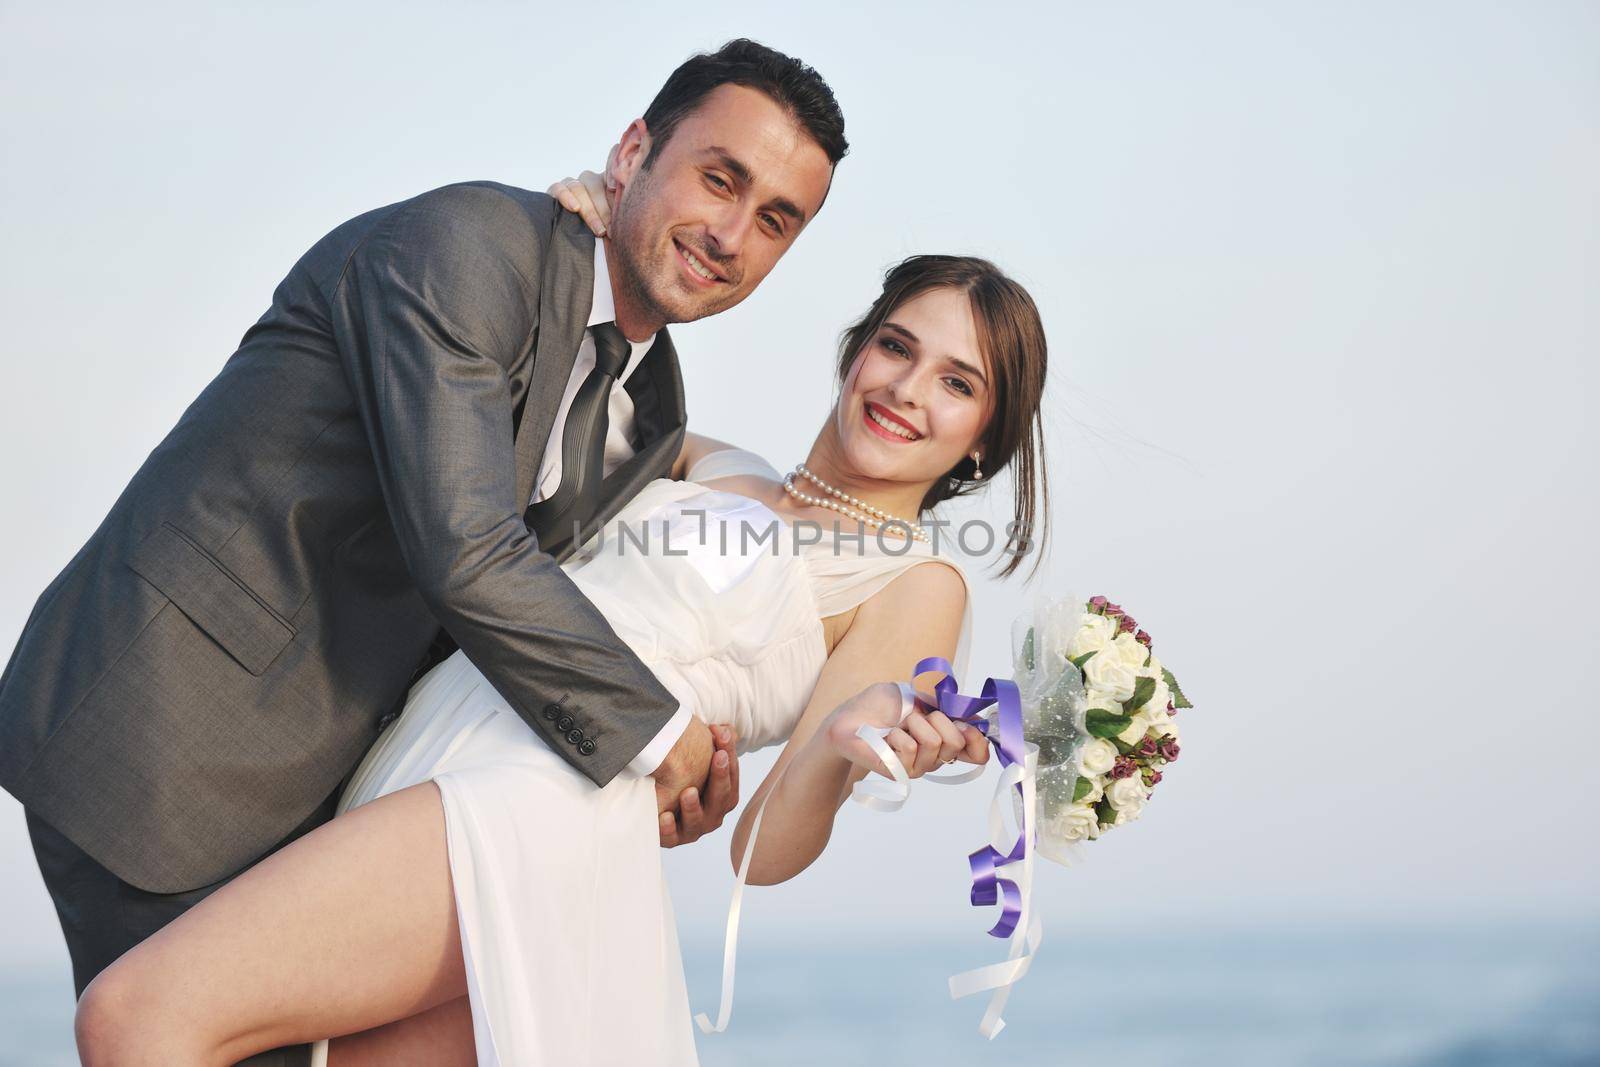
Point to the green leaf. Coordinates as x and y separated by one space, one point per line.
1079 661
1142 691
1027 650
1106 812
1178 699
1081 788
1103 722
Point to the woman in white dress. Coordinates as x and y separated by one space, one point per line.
477 900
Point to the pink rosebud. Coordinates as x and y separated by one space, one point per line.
1127 625
1143 638
1169 749
1147 747
1155 776
1113 609
1124 767
1098 603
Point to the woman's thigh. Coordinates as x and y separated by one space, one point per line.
438 1037
348 928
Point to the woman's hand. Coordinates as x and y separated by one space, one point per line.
586 196
923 740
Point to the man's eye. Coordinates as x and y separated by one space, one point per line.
772 223
720 184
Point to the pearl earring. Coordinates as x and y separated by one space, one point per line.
977 467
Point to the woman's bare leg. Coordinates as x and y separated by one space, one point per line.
438 1037
351 927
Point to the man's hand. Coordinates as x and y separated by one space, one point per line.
697 784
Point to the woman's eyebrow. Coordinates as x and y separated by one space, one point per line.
960 364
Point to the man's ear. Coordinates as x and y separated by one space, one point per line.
627 156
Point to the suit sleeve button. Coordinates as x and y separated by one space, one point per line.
565 723
575 736
551 711
587 746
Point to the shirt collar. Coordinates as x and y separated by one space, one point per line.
604 309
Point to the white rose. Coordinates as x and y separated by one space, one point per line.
1123 816
1094 633
1127 795
1171 727
1110 675
1077 823
1138 724
1100 698
1159 719
1130 652
1158 699
1096 757
1097 789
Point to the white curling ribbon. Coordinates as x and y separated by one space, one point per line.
898 791
879 795
1001 976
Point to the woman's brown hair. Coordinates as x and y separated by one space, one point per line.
1011 338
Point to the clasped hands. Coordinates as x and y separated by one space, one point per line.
697 783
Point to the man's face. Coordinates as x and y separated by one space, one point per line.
722 200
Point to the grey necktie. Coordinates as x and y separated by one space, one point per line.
583 447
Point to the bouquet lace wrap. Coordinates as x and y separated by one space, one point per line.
1053 709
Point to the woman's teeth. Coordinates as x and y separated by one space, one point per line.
893 427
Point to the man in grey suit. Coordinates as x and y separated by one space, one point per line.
189 693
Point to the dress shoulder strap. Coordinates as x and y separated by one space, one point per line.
845 578
728 463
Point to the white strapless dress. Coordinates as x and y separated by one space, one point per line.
566 923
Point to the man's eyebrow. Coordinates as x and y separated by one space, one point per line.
731 163
960 364
741 173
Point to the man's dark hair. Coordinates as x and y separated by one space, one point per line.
789 82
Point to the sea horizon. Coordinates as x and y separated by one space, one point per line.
1326 993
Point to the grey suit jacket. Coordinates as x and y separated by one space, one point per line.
217 657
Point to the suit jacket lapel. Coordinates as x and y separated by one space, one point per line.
565 294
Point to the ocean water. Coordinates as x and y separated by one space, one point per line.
1518 997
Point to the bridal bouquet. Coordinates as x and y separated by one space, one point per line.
1083 731
1100 705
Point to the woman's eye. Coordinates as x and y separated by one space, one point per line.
895 346
960 386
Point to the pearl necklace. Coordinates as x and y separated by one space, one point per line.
847 505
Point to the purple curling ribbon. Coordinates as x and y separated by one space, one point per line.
1004 731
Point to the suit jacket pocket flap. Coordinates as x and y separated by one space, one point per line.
212 598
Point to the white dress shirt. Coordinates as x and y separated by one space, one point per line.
619 433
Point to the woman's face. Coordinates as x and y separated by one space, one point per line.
918 395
